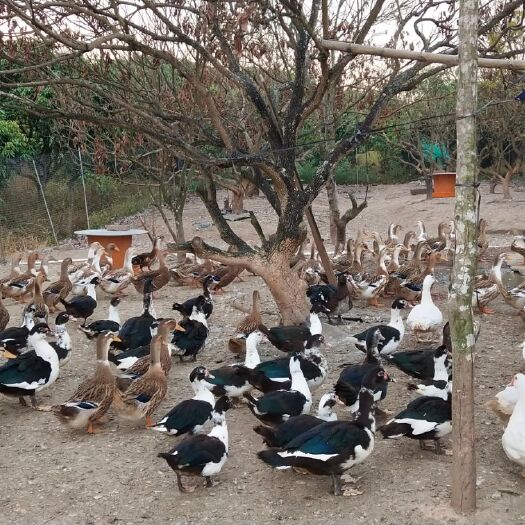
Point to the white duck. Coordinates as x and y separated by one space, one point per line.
425 317
422 235
513 439
504 402
115 281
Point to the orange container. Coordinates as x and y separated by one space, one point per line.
444 184
122 239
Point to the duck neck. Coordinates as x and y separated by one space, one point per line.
44 350
64 276
220 429
199 316
202 393
365 416
96 261
396 320
113 314
155 347
426 295
90 290
440 369
128 265
256 309
316 327
299 384
252 358
326 413
64 339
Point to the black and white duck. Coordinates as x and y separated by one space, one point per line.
62 345
14 339
331 448
335 299
441 375
30 372
351 378
234 380
296 425
278 406
136 331
186 308
392 333
83 306
190 415
202 454
274 374
293 338
111 324
419 363
425 418
192 340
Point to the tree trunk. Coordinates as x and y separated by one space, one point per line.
463 271
493 184
287 289
250 189
237 200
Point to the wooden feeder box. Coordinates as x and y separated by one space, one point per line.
121 238
444 184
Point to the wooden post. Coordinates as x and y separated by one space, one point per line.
464 268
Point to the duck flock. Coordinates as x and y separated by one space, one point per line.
134 357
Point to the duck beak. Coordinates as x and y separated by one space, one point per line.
117 339
179 328
338 401
8 355
117 249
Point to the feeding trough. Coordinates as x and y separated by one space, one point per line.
444 184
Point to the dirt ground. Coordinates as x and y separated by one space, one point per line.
50 474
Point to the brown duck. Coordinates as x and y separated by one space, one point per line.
237 343
158 278
59 289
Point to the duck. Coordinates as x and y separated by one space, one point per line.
111 324
127 358
333 447
518 246
14 339
76 269
234 380
292 338
297 425
15 269
114 282
440 383
37 306
190 415
106 261
62 345
202 454
513 439
274 374
422 233
87 273
482 240
83 306
351 377
4 316
192 340
135 331
439 243
425 418
30 373
504 402
141 365
94 396
59 289
392 235
514 297
425 317
485 290
226 275
335 299
237 343
279 405
147 259
156 279
371 285
146 392
394 264
420 364
21 286
186 308
392 333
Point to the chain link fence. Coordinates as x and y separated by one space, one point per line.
44 199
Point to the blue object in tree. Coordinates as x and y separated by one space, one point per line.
521 96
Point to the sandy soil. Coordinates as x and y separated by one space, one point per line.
52 475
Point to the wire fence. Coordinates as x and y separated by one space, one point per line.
46 198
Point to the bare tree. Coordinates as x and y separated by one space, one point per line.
218 62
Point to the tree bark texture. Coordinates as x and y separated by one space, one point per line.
465 260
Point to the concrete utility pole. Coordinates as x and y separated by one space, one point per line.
465 263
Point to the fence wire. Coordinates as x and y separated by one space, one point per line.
44 199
